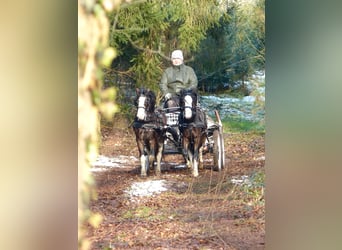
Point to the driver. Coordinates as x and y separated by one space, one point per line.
177 77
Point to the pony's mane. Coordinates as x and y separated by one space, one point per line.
198 116
190 92
150 99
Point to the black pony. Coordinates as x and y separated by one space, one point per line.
149 128
192 124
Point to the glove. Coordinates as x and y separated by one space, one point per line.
168 96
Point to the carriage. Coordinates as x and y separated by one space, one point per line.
184 129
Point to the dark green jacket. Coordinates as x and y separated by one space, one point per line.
176 78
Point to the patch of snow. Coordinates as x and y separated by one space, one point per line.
241 180
241 108
104 163
261 158
259 75
248 98
261 90
217 99
146 188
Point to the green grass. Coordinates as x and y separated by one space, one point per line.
240 125
140 212
254 193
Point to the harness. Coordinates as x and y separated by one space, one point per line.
146 125
196 122
153 121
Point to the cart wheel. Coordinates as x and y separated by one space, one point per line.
218 150
222 148
219 156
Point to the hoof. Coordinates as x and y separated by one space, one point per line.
195 175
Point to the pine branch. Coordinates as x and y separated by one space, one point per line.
135 45
228 68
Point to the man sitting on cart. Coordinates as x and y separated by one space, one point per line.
176 78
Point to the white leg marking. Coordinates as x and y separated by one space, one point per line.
143 162
195 168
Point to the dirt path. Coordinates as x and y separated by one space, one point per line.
208 212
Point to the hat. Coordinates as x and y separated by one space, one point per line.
177 54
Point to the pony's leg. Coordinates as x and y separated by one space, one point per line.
188 161
186 151
142 156
190 157
144 164
201 149
194 157
144 160
198 150
151 158
195 166
159 157
200 157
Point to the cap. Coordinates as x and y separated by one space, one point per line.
177 54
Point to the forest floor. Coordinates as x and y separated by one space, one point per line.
207 212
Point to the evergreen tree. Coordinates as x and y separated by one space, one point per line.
235 48
154 28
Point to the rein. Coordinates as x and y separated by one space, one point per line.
190 107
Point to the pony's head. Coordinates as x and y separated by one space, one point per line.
188 103
145 102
